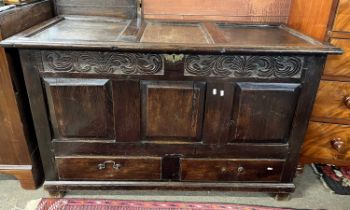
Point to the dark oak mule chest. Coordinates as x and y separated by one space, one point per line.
149 104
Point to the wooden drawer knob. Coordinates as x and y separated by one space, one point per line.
347 101
337 144
102 166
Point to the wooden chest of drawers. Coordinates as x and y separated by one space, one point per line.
19 155
117 106
327 140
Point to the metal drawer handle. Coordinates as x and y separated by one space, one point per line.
337 144
102 166
347 101
240 169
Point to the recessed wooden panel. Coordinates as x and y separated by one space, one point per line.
263 112
319 143
339 65
80 28
175 33
80 108
343 17
115 8
231 170
271 35
333 101
172 110
108 168
223 10
126 97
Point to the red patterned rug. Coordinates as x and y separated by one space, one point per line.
337 179
86 204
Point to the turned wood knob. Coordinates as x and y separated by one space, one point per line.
337 144
347 101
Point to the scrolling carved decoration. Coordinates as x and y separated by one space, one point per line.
238 66
103 62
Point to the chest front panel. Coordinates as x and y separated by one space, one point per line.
168 111
237 109
135 99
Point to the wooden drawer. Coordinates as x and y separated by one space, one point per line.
333 102
339 65
342 19
231 170
108 168
327 142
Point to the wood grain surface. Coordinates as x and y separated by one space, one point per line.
25 176
14 133
230 170
318 144
175 33
14 150
19 155
263 112
180 117
311 17
332 102
256 93
339 65
166 37
266 11
343 17
129 168
80 108
113 8
16 20
127 110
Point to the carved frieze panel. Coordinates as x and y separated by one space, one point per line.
103 62
242 66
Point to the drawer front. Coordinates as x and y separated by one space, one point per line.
105 168
343 17
333 101
326 141
231 170
339 65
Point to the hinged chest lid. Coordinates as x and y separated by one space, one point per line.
116 25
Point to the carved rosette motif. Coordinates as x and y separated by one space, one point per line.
103 62
239 66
